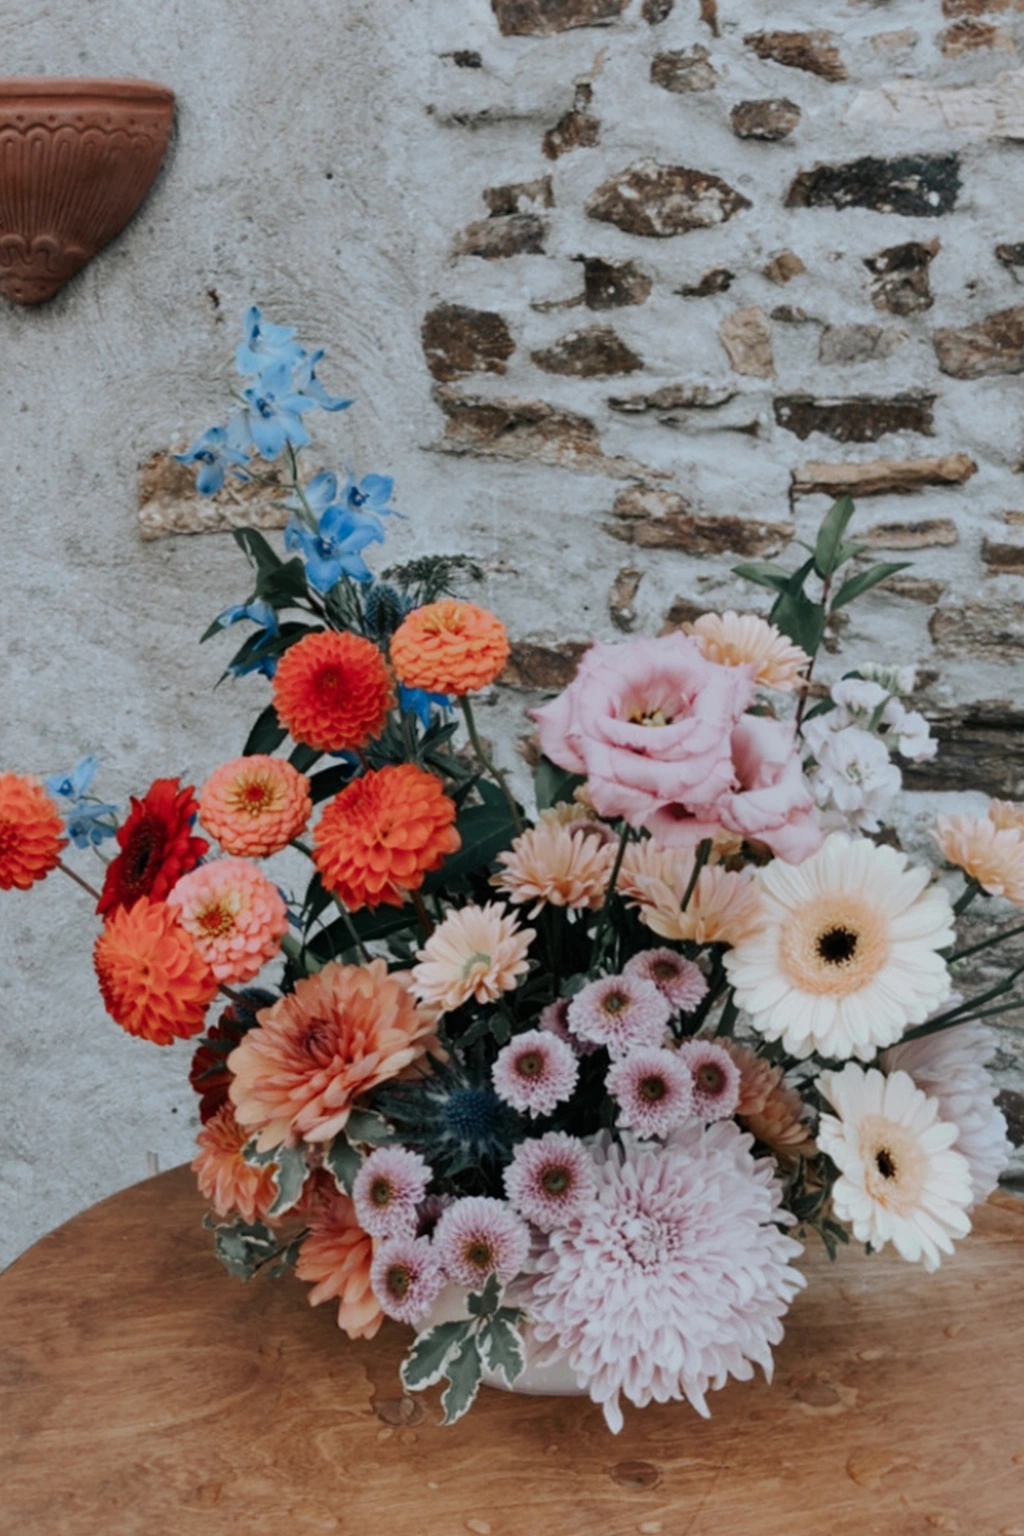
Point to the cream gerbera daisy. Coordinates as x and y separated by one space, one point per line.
555 864
476 952
899 1179
989 853
734 639
723 907
846 953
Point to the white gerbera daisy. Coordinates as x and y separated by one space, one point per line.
899 1179
846 952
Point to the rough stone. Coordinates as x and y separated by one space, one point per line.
1012 1106
622 597
465 58
895 43
685 69
991 109
784 267
967 36
841 344
771 120
663 200
926 533
954 8
901 276
613 284
597 352
815 52
578 129
882 477
916 589
520 197
457 341
923 186
1003 559
169 502
682 610
543 18
656 11
790 314
1011 255
542 668
991 346
673 397
517 234
718 280
530 430
709 16
979 744
746 335
981 630
858 419
651 519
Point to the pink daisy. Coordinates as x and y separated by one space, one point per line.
679 980
621 1012
387 1190
478 1237
535 1072
233 914
406 1278
653 1089
550 1180
716 1079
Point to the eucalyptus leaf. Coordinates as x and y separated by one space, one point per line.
463 1371
800 619
763 575
425 1363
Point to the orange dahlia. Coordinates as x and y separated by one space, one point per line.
333 691
449 647
339 1034
153 980
223 1175
31 832
157 846
383 834
254 806
336 1257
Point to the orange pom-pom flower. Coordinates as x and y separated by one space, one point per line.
254 806
449 647
379 839
333 691
153 980
31 832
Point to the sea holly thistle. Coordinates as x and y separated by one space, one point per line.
459 1351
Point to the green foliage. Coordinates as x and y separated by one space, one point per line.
432 576
266 735
343 1162
460 1350
245 1248
553 785
425 1363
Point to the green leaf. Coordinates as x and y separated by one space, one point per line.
830 536
243 1246
258 550
502 1345
330 782
266 735
425 1363
484 1303
318 899
334 940
463 1372
800 619
290 1178
865 580
764 575
553 785
284 585
365 1126
344 1162
485 830
304 757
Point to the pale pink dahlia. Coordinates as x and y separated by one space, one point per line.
621 1012
406 1278
535 1072
476 952
479 1237
678 980
673 1277
233 914
653 1089
551 1179
387 1191
716 1079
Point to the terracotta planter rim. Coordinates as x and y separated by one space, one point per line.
69 87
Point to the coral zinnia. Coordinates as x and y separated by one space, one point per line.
31 832
476 952
738 639
154 981
333 691
339 1034
378 840
254 806
234 915
223 1175
337 1257
449 647
157 846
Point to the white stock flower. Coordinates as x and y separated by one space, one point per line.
910 732
857 777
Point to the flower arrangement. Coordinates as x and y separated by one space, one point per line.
574 1083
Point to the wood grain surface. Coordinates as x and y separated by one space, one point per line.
144 1392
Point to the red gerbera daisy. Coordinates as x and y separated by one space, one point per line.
157 846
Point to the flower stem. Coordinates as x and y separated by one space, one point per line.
965 898
78 879
606 910
727 1018
960 1014
308 514
497 774
997 938
703 854
426 921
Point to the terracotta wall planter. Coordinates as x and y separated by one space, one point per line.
76 159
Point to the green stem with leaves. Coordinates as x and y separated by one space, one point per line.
496 773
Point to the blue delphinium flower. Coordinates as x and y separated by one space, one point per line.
72 786
257 612
215 454
422 704
265 344
274 411
87 821
371 494
335 548
307 383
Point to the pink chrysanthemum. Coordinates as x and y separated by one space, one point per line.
233 914
653 1089
678 980
406 1278
535 1072
479 1237
387 1190
673 1277
550 1180
621 1012
554 1020
716 1079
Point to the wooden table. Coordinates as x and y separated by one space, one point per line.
144 1392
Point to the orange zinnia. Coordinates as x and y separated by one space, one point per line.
223 1175
449 647
333 691
31 832
383 834
153 980
336 1257
254 806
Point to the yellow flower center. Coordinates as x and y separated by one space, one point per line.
834 945
641 716
216 920
895 1167
253 797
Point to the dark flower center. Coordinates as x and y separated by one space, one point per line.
530 1064
556 1180
837 945
399 1280
380 1192
664 970
653 1089
710 1077
478 1253
885 1164
615 1002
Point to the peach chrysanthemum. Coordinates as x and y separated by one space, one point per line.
1006 815
990 854
476 952
772 1112
154 981
223 1175
723 908
379 839
234 916
339 1034
254 806
333 691
735 640
554 864
31 832
449 647
337 1258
